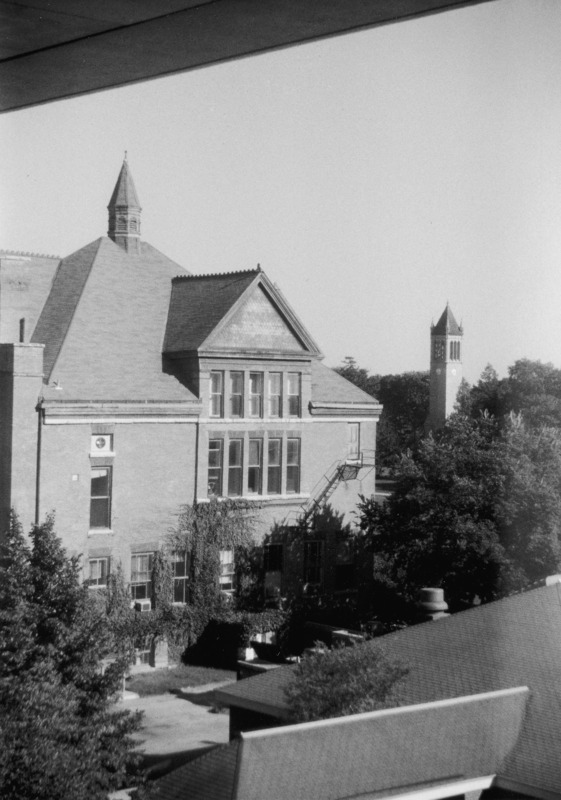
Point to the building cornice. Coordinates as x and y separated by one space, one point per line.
65 412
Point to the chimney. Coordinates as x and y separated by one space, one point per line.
431 604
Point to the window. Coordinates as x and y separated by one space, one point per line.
98 570
141 576
100 498
274 393
353 441
236 394
227 571
181 576
254 466
216 394
293 466
454 351
344 567
255 394
273 558
274 468
215 466
313 563
235 463
294 390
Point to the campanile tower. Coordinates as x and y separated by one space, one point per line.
124 212
445 367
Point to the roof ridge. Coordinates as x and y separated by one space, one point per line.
27 253
256 271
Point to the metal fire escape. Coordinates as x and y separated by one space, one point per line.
346 470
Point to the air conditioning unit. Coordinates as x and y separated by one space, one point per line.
143 605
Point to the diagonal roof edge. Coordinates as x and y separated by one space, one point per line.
278 300
54 324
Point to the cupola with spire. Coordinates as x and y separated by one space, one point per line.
124 212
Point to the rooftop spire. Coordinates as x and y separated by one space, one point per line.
124 212
447 324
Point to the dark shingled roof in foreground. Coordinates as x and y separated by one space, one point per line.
511 642
328 386
376 754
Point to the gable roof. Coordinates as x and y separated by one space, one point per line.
511 642
103 326
202 306
447 324
375 754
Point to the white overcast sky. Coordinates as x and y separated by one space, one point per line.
374 176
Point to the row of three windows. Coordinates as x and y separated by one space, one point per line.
229 479
259 404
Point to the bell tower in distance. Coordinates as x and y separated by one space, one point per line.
445 368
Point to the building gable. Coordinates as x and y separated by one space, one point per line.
254 324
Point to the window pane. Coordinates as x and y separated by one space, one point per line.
274 393
313 562
293 466
98 571
214 478
181 572
353 440
216 394
255 394
141 576
274 470
100 482
236 394
254 466
294 394
235 468
99 512
227 571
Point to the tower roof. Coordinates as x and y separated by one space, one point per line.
124 193
447 324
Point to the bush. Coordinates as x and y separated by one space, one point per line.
346 680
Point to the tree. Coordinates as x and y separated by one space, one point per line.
346 680
405 399
206 529
60 737
476 511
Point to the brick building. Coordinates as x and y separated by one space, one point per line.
129 387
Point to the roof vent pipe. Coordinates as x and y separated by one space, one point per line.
431 604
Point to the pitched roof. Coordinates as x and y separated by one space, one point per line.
233 311
511 642
124 193
377 753
103 326
329 386
447 324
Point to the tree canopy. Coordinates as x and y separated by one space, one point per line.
61 737
476 510
405 400
342 681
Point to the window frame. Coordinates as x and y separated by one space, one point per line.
256 397
101 581
313 566
235 470
277 474
274 397
219 470
293 469
107 498
217 396
136 584
227 575
255 470
182 581
239 396
294 399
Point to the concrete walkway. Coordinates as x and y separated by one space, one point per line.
178 727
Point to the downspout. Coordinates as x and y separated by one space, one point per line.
38 466
198 425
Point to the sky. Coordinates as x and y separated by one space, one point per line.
374 176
